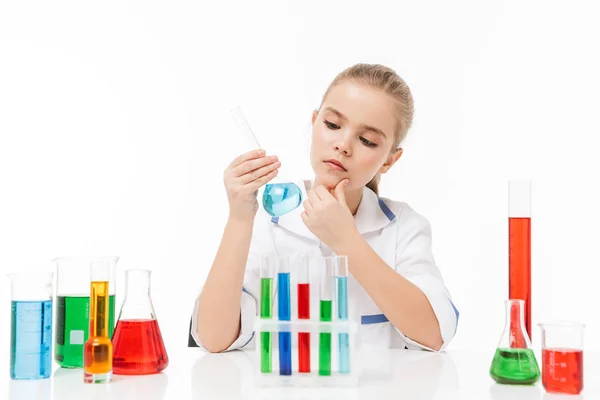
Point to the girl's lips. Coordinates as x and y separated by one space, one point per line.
334 164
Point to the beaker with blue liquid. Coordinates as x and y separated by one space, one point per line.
31 325
280 195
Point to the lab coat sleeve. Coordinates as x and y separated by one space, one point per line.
415 262
249 301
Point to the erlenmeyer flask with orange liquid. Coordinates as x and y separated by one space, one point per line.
138 345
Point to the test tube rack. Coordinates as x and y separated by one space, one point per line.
316 329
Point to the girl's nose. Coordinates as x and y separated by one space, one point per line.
343 146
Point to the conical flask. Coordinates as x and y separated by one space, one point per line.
514 361
138 347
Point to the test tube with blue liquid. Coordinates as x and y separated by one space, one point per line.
267 273
31 325
325 315
341 286
284 314
281 196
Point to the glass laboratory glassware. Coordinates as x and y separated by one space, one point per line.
281 196
514 361
73 305
341 295
97 349
562 357
284 314
519 239
267 273
138 345
302 268
31 325
326 291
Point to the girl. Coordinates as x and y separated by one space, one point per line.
395 290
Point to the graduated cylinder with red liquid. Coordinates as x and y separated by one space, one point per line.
519 243
138 345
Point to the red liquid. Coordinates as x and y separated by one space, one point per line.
516 339
303 337
519 265
138 348
562 370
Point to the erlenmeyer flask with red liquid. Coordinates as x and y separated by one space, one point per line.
138 347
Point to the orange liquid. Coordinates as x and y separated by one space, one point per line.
97 350
519 265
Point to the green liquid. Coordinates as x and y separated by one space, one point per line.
325 339
72 328
265 352
515 366
266 295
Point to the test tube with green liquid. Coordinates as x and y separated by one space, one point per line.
325 314
267 273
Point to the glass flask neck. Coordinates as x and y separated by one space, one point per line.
515 335
137 303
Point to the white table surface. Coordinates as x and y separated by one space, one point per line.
398 374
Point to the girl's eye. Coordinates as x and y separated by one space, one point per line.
331 125
367 143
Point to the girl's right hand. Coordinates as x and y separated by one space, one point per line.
243 177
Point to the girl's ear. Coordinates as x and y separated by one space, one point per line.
314 116
393 157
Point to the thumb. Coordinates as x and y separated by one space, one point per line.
340 194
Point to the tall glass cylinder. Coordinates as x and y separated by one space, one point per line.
267 273
519 239
302 268
341 295
326 291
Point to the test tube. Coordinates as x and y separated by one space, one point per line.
519 239
31 325
326 305
341 285
284 314
303 270
267 272
97 350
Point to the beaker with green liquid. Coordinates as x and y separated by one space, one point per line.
514 361
73 307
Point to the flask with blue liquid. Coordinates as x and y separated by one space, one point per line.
280 196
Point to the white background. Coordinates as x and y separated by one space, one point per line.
115 130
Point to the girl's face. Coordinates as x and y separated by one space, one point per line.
352 136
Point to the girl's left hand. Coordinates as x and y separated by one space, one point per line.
328 217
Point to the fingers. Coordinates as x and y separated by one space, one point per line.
323 193
252 165
259 173
256 184
313 198
246 156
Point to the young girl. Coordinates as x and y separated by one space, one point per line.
395 290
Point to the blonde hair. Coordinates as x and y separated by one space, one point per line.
380 77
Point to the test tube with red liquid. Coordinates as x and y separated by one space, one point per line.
519 251
303 271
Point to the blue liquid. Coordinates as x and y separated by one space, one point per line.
285 353
31 339
344 353
341 283
283 296
284 314
281 198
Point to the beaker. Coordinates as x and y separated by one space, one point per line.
562 357
73 306
514 361
31 325
138 344
280 195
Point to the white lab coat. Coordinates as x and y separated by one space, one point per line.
399 235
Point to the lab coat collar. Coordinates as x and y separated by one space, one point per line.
373 214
